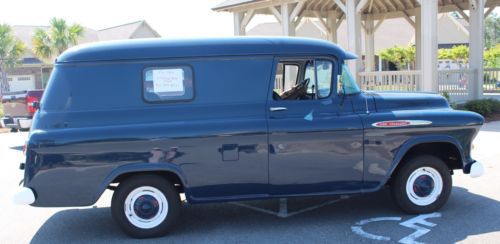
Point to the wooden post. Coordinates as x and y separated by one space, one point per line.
332 26
369 44
429 44
418 40
476 46
287 24
418 48
238 30
354 36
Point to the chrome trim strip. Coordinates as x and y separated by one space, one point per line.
410 123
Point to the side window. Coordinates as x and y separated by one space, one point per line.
346 82
164 84
324 72
286 77
312 79
309 74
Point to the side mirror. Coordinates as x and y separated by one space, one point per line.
36 105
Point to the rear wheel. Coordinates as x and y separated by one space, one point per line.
145 206
422 185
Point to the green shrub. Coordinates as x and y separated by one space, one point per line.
453 105
485 107
1 111
446 95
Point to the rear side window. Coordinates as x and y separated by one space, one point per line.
164 84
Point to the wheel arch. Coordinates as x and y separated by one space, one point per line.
437 145
170 171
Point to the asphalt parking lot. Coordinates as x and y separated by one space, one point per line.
472 214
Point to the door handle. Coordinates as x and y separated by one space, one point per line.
275 109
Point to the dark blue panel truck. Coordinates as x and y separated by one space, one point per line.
232 119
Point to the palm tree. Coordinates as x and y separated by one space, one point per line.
11 50
57 39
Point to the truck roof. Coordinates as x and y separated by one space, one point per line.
178 48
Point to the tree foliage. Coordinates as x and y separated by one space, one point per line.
11 51
492 57
57 39
456 53
444 53
460 52
402 57
491 30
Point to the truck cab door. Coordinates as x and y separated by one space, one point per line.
315 138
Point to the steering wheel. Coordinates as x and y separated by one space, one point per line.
304 83
297 91
302 88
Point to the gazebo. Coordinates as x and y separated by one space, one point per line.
363 17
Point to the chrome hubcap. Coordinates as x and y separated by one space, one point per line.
424 186
146 207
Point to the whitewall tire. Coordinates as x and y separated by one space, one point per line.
145 206
422 184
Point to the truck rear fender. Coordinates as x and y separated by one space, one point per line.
166 169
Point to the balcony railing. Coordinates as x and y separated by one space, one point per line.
407 80
457 83
491 80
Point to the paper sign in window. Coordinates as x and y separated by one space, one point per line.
168 80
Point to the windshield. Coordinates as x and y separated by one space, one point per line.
347 82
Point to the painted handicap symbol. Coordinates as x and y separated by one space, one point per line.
421 220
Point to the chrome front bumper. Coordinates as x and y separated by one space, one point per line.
476 169
24 196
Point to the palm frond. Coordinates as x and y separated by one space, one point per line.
59 34
76 31
6 39
11 49
60 37
42 44
15 53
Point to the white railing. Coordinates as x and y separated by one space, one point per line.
491 80
457 83
390 80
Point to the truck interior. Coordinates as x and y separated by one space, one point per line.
303 79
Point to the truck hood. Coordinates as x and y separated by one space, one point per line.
407 101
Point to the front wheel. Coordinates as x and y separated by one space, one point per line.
145 206
422 185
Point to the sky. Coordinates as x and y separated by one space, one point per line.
170 18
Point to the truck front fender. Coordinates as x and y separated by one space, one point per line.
418 140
